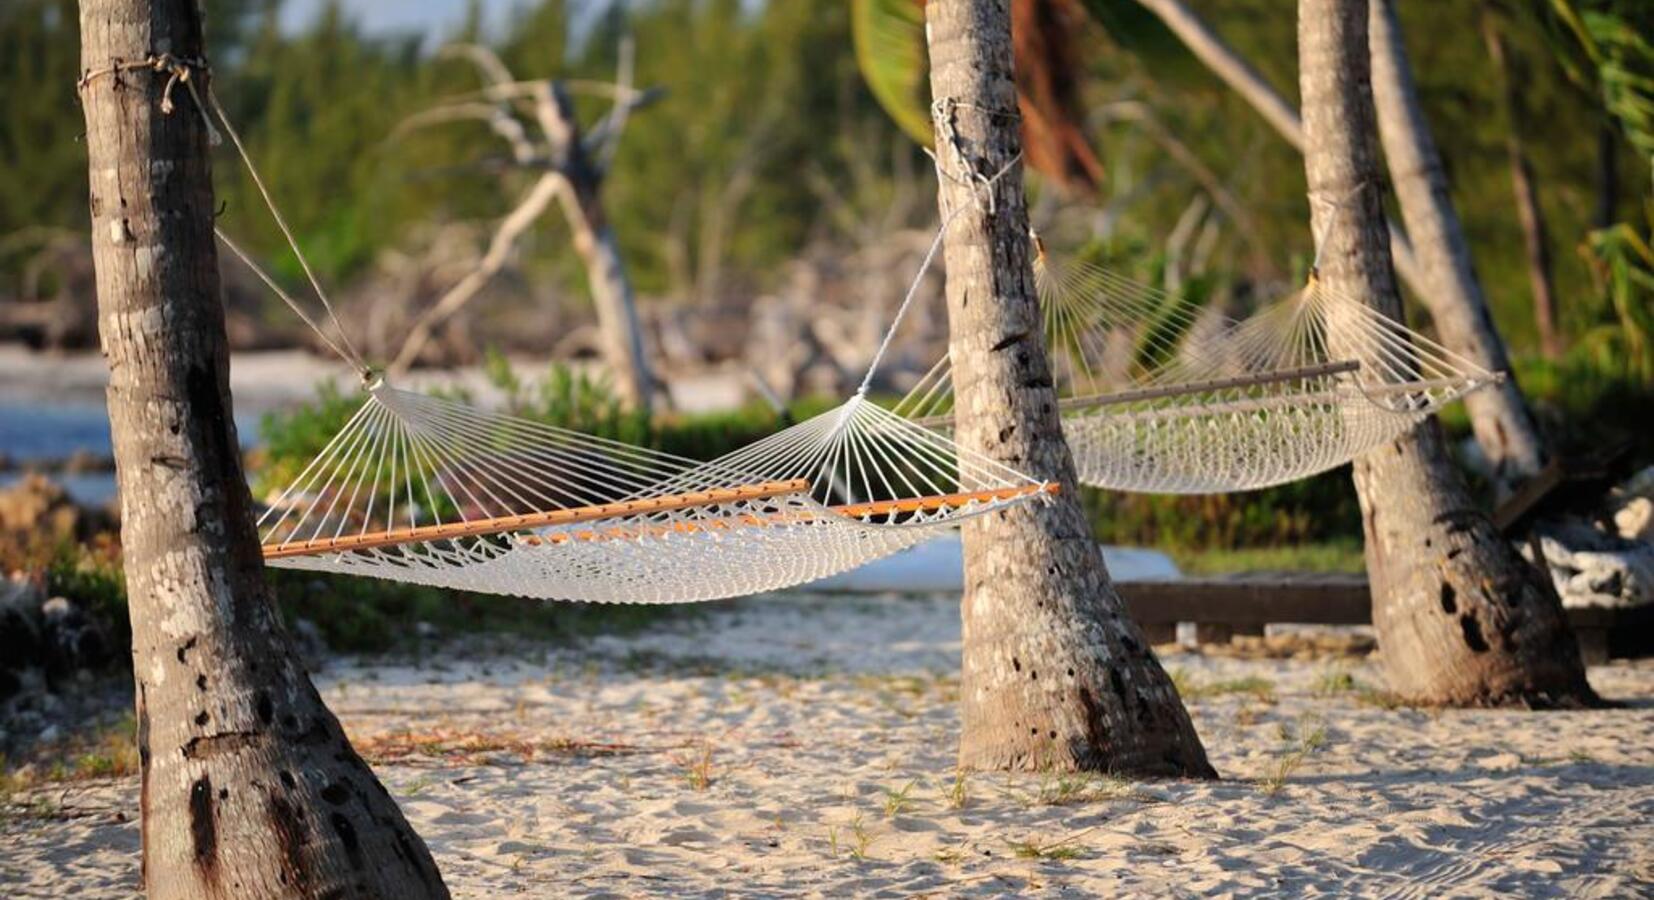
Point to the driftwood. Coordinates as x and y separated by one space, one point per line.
536 120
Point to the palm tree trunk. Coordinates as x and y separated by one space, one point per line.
1462 619
249 787
1504 426
1055 675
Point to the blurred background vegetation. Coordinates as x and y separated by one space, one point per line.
768 149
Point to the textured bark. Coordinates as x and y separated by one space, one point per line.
249 786
1499 415
1055 674
1462 619
1535 240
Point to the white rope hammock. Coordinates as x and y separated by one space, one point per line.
1160 396
436 492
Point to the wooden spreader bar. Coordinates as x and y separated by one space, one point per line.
1180 390
659 504
1214 384
501 524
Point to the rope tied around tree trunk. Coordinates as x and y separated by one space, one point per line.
179 70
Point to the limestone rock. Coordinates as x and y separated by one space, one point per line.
1594 568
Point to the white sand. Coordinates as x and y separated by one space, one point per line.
811 713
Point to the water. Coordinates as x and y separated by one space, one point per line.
35 432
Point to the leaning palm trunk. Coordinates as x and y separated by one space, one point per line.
1504 426
1462 619
1438 273
249 787
1529 214
1055 674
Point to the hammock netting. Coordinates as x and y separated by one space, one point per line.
436 492
1159 395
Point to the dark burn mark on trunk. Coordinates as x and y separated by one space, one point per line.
1473 633
1118 684
266 710
416 861
204 825
1095 736
288 824
143 781
1008 340
185 648
1449 597
347 838
208 746
1458 521
336 793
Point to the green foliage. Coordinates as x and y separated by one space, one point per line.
1626 265
568 399
1315 510
291 438
93 578
1604 47
890 49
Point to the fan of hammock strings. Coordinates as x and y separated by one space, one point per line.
432 491
1160 395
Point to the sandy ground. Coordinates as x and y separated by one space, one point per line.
802 745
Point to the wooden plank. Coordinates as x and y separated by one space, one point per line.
501 524
1251 600
1529 495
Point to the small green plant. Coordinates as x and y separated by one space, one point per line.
863 838
1061 850
1259 688
697 767
1309 736
896 801
959 793
1335 681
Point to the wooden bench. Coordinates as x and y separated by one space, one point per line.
1223 606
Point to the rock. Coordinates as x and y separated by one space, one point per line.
20 632
1635 519
44 641
74 640
38 504
1593 568
1640 484
49 734
425 630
